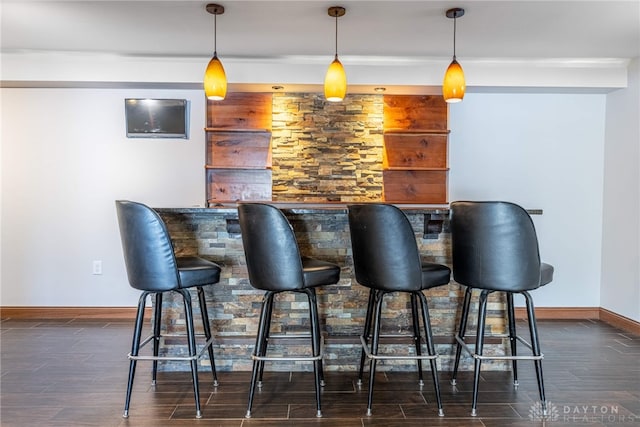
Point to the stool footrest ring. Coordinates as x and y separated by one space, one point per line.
291 358
468 349
167 358
370 355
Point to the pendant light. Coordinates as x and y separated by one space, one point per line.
215 79
335 81
453 85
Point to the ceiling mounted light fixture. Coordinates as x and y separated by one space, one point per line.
335 81
453 85
215 79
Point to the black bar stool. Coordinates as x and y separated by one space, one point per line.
386 260
495 249
153 268
274 265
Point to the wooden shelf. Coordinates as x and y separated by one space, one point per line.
409 151
238 150
415 112
238 184
234 130
241 111
237 168
416 132
413 186
409 168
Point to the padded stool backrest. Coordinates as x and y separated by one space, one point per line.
270 247
148 252
494 246
385 251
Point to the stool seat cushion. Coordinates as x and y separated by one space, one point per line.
434 275
196 271
317 272
546 273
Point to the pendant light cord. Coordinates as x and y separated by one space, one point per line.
336 35
215 35
455 18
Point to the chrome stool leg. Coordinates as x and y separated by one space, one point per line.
535 347
374 347
466 302
315 347
191 340
207 333
135 348
482 316
432 351
416 335
260 350
157 324
512 336
366 334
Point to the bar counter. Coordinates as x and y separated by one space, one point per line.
322 231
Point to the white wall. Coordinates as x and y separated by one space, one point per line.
540 151
65 159
620 290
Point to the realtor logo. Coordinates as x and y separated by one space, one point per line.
537 414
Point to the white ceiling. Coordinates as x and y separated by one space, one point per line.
370 29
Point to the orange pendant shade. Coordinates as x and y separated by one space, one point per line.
453 86
335 82
215 80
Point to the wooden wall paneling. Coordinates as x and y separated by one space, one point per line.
250 150
415 186
240 111
238 151
415 164
415 151
425 112
232 185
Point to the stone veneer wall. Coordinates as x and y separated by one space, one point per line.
327 151
234 306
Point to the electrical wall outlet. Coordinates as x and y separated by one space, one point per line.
97 267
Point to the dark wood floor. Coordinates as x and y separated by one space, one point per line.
73 373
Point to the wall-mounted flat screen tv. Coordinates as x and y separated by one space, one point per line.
157 118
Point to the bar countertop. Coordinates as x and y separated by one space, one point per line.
300 207
311 208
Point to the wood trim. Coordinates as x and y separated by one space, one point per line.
411 168
404 131
584 313
561 313
129 313
619 321
111 313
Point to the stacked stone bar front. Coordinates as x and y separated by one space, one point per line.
322 231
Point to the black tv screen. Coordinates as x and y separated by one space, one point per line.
157 118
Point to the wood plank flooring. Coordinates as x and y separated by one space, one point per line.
73 373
